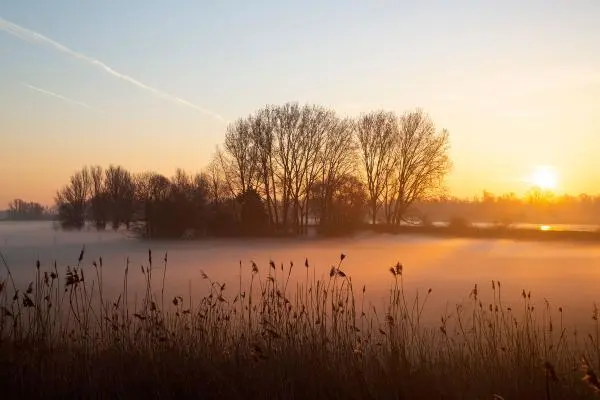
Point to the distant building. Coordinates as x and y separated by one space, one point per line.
3 214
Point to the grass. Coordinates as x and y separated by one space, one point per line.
282 333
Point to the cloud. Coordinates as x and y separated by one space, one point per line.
61 97
37 38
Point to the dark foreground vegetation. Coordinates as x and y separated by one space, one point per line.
281 336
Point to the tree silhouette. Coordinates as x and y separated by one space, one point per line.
421 163
377 134
22 210
99 201
278 167
72 200
343 209
120 194
253 216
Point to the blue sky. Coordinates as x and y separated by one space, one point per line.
516 83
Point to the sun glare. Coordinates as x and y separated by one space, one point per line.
545 178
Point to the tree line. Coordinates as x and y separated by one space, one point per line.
279 170
535 206
21 210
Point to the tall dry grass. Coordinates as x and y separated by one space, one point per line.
278 337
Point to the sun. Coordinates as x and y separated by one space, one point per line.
544 178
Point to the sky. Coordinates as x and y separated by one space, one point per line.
151 85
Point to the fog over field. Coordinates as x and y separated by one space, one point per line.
564 273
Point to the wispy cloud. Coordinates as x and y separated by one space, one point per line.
35 37
59 96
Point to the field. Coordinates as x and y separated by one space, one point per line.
375 316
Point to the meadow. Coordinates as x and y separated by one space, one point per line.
369 317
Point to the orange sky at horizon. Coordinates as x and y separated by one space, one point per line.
481 161
470 176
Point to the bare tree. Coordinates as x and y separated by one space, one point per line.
99 201
240 155
338 159
289 139
279 152
422 162
143 191
217 187
72 199
376 133
120 192
97 176
306 167
19 209
156 211
143 186
160 187
265 142
286 125
181 182
227 171
346 203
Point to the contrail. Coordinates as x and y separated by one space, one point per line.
61 97
34 37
